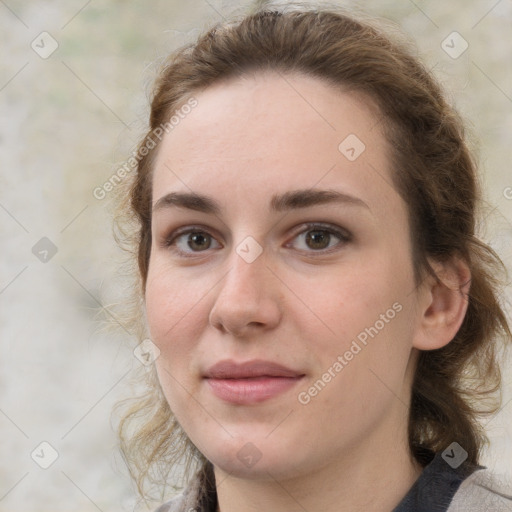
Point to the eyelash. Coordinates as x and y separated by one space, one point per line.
344 237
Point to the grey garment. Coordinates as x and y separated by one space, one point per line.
483 490
440 488
443 488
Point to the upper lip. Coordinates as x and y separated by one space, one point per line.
229 369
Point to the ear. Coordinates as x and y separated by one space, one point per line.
442 303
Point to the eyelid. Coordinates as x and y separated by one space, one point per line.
342 234
323 226
169 240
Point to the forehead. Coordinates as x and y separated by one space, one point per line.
271 132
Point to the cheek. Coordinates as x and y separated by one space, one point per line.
174 310
349 300
366 319
358 382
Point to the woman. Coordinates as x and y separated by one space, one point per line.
321 310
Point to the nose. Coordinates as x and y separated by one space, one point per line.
248 298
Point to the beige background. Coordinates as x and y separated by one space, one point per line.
67 122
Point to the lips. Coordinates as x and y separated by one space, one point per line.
256 368
250 382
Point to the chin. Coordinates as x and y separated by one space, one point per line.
262 469
259 459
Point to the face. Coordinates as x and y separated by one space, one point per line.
265 269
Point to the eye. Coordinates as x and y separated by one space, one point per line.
320 237
316 238
191 240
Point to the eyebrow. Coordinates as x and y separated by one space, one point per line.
291 200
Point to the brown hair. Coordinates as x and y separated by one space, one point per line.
435 174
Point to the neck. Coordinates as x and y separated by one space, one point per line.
373 477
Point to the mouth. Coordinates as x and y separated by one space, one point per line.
250 382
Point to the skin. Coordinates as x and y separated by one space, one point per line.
346 449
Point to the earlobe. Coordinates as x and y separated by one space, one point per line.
443 302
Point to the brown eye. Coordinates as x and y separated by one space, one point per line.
198 240
190 241
318 239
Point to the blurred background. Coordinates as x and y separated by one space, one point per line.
74 82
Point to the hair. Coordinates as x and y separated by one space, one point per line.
434 171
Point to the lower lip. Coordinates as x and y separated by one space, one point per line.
253 390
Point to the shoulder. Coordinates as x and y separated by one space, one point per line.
483 490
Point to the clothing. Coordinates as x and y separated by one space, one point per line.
440 488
